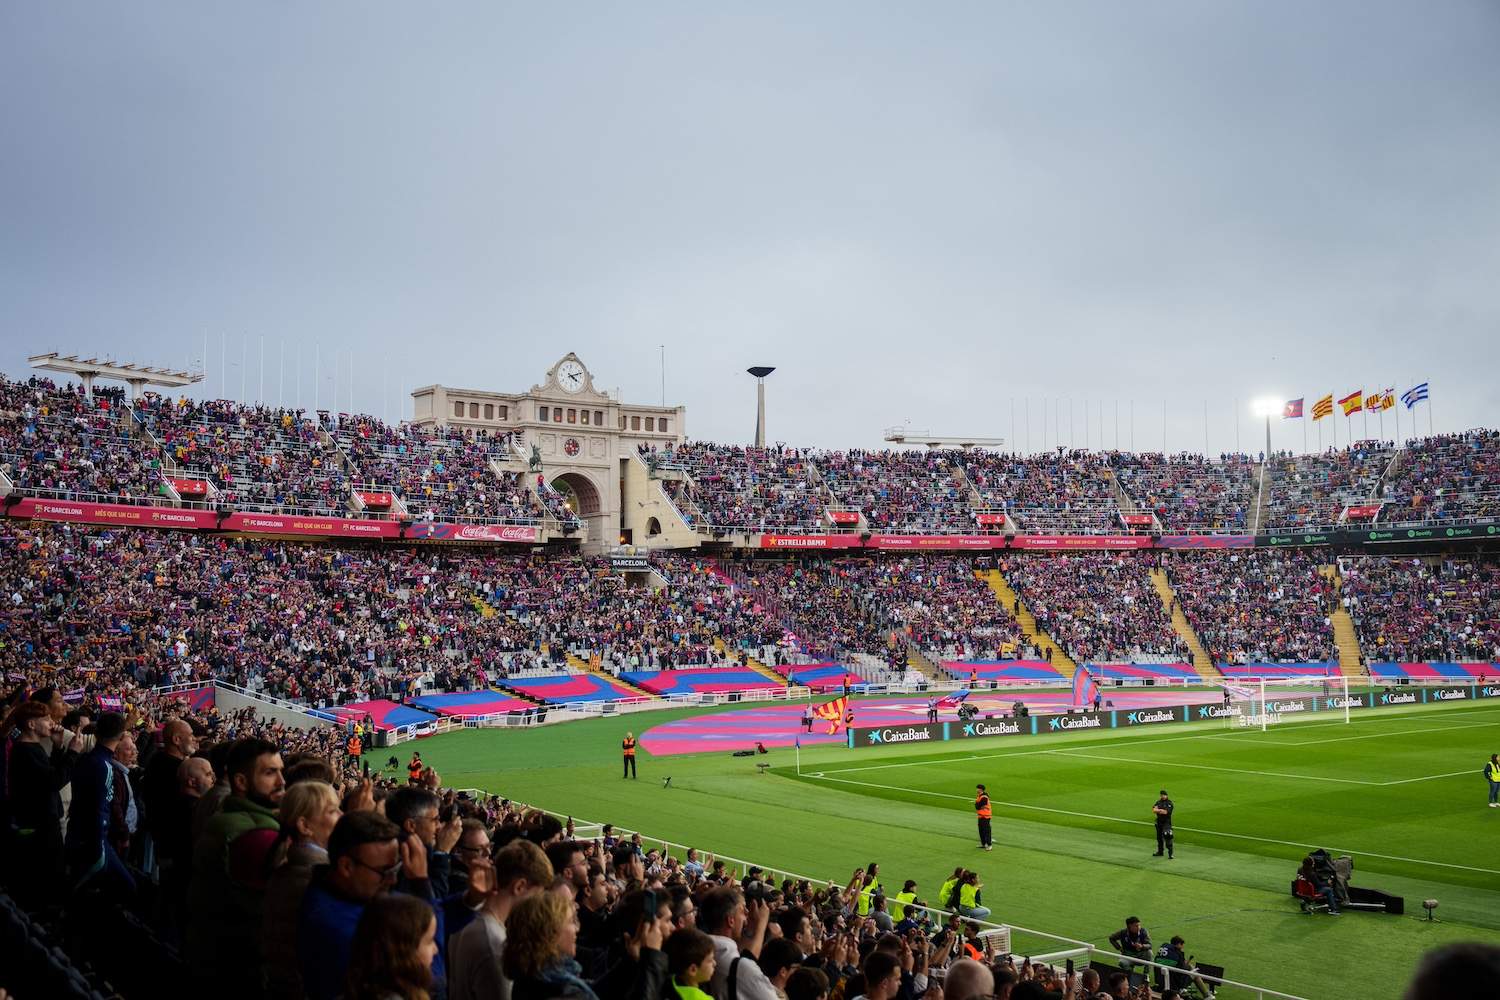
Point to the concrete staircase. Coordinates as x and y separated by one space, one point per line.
752 663
1202 662
1345 638
1011 601
584 667
922 664
1262 498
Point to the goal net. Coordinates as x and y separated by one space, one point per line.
1263 702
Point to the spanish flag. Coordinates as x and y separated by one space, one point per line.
1323 407
1353 403
832 712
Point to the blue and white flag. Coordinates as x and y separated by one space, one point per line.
1411 397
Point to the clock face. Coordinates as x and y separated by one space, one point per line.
570 375
570 447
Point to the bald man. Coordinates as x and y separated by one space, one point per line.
159 786
174 849
968 980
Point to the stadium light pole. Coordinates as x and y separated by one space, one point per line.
760 372
1267 407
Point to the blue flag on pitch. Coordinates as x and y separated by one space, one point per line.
1085 688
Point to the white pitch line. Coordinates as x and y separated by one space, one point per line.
1429 777
1141 822
1210 767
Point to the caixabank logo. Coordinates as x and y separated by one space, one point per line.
1149 716
1283 707
1451 694
1399 698
1066 723
909 734
1219 711
988 727
1489 691
1353 701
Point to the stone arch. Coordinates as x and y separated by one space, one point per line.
653 527
581 489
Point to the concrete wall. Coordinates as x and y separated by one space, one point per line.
232 701
642 500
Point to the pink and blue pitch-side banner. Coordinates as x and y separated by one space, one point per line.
1143 671
1435 671
707 680
198 699
383 714
1004 670
1272 670
571 689
470 703
823 676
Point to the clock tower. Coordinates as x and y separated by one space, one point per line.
587 439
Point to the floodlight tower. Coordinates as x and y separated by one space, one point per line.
760 372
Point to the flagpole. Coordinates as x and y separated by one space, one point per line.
799 758
1428 397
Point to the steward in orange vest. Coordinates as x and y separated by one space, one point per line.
627 751
982 810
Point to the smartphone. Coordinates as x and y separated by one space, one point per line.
648 904
1070 966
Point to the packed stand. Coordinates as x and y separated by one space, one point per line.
1313 490
56 442
750 489
1188 492
922 492
1445 478
261 457
1255 606
1067 491
438 473
877 605
1417 610
1099 606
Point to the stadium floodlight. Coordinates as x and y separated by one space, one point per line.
1268 407
760 372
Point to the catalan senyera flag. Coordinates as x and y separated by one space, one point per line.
832 712
1323 407
1353 403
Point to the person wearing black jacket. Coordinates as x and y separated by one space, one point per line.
35 771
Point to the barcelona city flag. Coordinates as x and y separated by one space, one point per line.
832 712
1353 403
1323 407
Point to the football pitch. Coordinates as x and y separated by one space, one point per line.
1398 789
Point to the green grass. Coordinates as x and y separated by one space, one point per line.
1400 790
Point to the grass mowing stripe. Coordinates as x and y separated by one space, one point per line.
1142 822
1210 767
1430 777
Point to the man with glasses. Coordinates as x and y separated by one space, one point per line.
473 846
415 811
364 860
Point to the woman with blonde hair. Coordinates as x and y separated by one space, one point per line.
541 938
391 955
309 810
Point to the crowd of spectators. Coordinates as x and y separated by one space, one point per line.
1069 491
1098 606
261 458
1445 478
1255 605
750 489
56 442
1409 609
919 492
1313 490
1188 492
438 473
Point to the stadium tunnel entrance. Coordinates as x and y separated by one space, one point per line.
579 492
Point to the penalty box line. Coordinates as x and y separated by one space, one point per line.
1141 822
1134 742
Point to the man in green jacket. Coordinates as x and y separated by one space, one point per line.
230 869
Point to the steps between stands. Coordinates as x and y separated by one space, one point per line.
918 661
1044 643
485 608
584 667
1202 662
1351 663
1262 477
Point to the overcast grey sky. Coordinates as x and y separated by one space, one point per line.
923 212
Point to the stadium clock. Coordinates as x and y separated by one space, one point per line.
571 376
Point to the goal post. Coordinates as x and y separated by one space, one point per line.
1263 702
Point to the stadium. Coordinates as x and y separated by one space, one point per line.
1302 650
749 502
